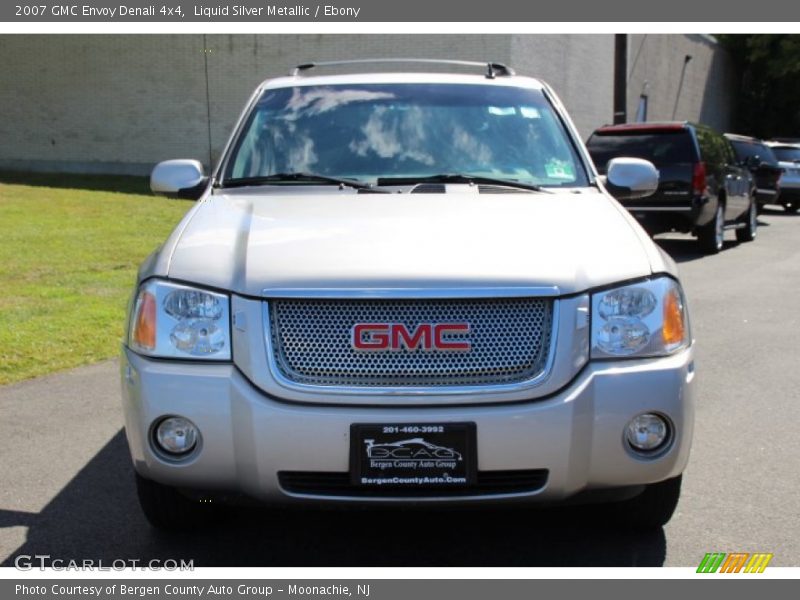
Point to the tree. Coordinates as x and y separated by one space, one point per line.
768 100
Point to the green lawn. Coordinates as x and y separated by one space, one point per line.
69 250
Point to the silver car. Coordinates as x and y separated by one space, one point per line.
407 288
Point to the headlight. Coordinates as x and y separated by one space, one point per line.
638 320
177 321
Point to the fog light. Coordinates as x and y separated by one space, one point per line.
176 435
647 432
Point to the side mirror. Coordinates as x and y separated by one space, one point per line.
179 179
631 178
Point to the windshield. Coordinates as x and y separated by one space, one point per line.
406 131
745 150
787 153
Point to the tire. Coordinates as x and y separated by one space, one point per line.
166 508
651 509
748 232
711 236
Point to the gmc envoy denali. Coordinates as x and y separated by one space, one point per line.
407 288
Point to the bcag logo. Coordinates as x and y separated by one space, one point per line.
372 337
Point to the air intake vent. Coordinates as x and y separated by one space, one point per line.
501 189
429 188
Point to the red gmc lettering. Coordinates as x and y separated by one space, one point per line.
379 340
403 338
443 328
396 336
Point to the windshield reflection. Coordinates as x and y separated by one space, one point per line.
367 132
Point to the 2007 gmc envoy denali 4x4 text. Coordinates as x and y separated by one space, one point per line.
407 288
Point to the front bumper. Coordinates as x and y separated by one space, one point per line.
247 437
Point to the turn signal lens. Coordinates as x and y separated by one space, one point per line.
674 329
144 329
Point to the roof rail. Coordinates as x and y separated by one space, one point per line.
492 69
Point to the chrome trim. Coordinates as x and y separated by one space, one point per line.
412 293
440 390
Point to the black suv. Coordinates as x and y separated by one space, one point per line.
756 156
702 189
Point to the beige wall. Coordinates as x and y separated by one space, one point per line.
121 103
655 65
101 99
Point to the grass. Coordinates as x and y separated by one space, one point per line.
69 249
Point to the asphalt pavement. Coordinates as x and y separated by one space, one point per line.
66 484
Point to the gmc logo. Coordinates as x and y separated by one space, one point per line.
396 336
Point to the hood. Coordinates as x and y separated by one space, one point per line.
251 243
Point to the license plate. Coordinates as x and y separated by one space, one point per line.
413 455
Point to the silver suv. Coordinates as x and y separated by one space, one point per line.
406 288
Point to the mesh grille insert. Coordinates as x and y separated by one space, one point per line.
312 343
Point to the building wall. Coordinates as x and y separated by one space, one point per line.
119 104
101 103
697 90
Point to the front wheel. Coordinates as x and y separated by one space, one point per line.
651 509
748 232
711 236
166 508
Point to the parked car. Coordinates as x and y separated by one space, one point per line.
407 289
788 156
702 190
756 156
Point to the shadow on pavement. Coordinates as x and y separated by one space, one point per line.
685 249
96 516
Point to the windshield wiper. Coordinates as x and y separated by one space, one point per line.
299 177
459 178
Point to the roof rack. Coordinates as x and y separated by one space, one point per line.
643 126
492 69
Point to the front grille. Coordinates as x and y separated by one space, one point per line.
312 343
487 483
